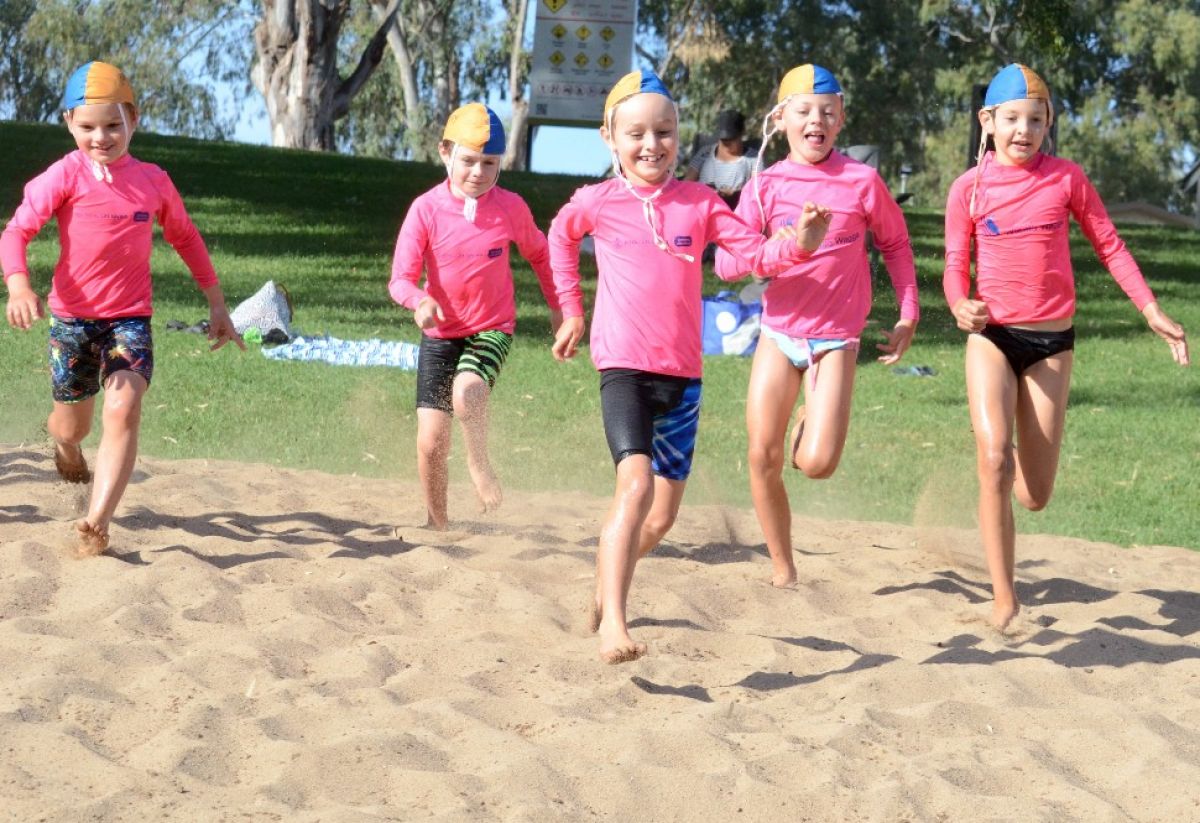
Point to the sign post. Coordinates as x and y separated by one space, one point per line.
580 49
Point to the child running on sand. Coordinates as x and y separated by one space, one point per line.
100 301
459 233
649 230
814 313
1015 205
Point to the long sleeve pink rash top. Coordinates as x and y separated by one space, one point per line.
105 232
1023 257
828 296
466 264
648 303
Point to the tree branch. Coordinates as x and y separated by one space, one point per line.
371 57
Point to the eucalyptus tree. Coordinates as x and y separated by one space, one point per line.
177 57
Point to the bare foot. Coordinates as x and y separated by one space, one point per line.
616 646
797 433
93 540
436 524
1003 614
70 463
786 580
487 487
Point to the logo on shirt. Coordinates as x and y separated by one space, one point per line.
141 216
994 230
683 241
494 253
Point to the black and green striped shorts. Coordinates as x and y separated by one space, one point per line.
441 359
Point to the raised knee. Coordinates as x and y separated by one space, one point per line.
71 430
469 396
820 468
1035 499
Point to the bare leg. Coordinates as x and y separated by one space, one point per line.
471 407
1041 415
433 453
69 424
617 556
121 419
827 399
992 394
774 387
668 494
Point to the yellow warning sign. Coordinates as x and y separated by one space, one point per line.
605 61
607 33
559 31
583 32
581 59
557 59
555 5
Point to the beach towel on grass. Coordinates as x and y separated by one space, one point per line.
331 350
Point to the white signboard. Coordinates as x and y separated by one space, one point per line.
580 49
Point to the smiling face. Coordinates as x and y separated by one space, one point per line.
100 130
645 135
812 123
1018 128
472 173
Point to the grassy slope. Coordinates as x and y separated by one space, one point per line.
324 225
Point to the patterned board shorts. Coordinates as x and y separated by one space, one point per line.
652 414
84 353
442 358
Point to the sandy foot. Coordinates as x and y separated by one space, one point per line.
70 463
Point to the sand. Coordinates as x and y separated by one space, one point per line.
270 644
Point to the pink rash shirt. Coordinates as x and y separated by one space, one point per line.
829 295
1023 258
106 233
466 264
648 308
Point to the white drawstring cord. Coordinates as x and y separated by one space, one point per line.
100 170
647 202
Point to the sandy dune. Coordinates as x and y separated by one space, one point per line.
267 644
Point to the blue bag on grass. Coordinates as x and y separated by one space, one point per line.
730 326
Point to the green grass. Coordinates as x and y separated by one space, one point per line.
325 226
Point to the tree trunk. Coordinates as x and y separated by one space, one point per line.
296 70
518 70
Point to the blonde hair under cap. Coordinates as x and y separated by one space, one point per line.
806 79
98 83
1015 81
476 127
640 82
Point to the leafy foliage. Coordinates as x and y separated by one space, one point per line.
176 53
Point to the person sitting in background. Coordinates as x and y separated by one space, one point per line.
727 164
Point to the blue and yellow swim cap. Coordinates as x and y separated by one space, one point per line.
1017 82
476 127
643 81
808 79
97 82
